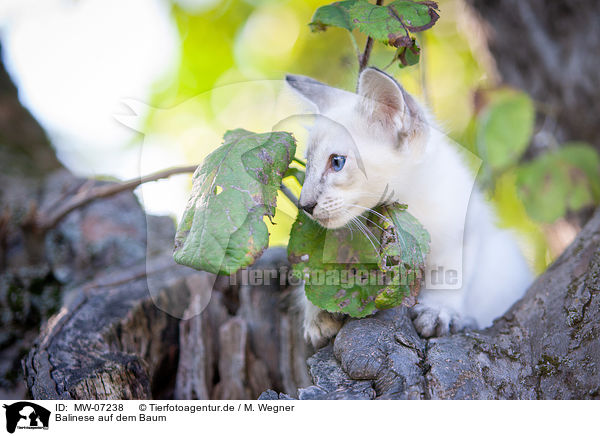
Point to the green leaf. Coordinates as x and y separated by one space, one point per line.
335 14
408 56
543 190
392 23
222 228
558 181
404 248
504 130
347 271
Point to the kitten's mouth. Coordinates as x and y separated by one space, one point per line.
333 221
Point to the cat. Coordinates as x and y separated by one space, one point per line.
379 145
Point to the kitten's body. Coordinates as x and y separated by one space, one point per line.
394 152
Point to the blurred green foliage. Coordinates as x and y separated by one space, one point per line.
233 41
562 180
530 194
504 129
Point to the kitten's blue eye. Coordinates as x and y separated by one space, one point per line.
337 162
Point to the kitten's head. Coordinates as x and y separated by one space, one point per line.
359 146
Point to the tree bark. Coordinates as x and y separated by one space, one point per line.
114 340
546 346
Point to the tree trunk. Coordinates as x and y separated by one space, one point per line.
116 339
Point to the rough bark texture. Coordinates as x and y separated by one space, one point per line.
108 341
112 340
549 49
29 292
23 143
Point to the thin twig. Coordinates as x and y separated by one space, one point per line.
289 194
355 46
86 196
392 62
364 59
299 161
423 69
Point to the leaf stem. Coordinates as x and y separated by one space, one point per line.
390 64
289 194
364 59
299 161
355 45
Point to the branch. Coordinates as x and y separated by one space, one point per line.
43 224
364 59
84 197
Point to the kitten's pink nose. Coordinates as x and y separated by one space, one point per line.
309 207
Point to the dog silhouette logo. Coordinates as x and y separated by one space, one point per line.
26 415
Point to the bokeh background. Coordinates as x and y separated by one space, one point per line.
81 65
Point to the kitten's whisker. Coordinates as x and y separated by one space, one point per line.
350 228
380 197
365 231
371 221
371 194
357 226
371 210
369 231
356 223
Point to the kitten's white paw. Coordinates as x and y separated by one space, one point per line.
432 322
322 327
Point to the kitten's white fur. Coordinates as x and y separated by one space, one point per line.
395 151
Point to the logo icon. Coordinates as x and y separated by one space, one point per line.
26 415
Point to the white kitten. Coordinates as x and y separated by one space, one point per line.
381 145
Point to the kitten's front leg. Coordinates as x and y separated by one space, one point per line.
434 322
319 325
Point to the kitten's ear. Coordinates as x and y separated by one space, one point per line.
387 103
311 90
